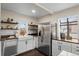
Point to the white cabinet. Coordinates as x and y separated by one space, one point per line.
75 49
25 45
59 46
21 46
30 44
0 48
10 47
56 48
66 46
36 42
10 42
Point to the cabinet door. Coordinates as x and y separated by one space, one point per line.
0 48
66 46
56 48
75 49
22 46
30 44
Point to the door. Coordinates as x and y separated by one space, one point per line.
44 40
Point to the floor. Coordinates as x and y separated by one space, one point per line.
33 52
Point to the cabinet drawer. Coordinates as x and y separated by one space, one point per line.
10 42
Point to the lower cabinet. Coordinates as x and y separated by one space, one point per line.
59 46
66 46
21 46
56 48
25 45
10 47
75 49
30 44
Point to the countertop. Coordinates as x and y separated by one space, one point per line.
69 41
65 53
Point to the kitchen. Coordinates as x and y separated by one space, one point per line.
39 29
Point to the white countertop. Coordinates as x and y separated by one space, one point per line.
65 53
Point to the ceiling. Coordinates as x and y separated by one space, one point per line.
42 9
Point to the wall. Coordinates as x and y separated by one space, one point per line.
64 13
16 16
20 18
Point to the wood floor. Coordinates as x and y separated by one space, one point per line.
33 52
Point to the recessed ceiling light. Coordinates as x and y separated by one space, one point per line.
33 11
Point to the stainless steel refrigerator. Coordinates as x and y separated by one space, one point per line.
45 39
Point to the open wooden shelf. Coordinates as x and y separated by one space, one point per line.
6 37
34 29
9 22
11 38
33 25
8 29
34 34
